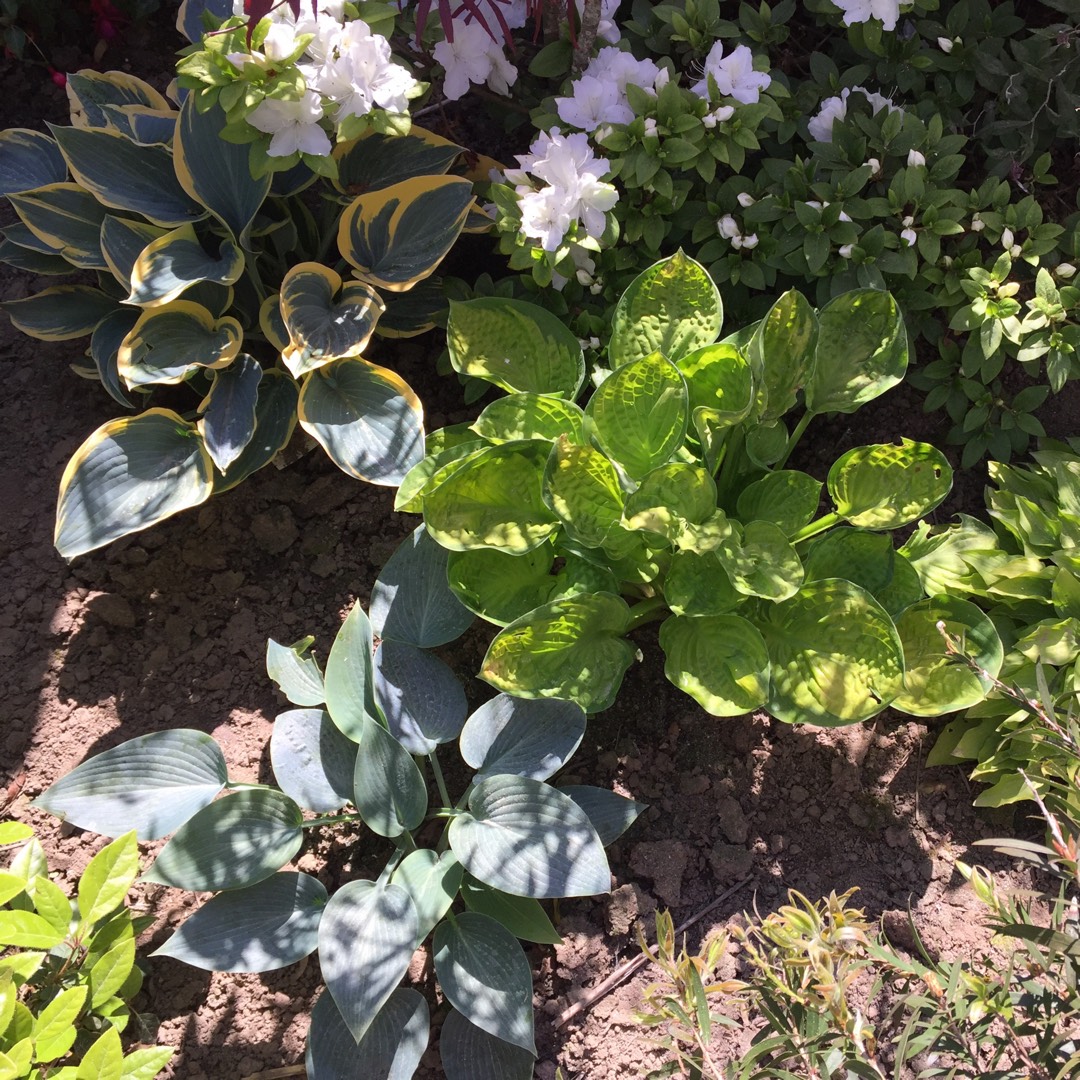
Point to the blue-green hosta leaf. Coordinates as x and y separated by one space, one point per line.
414 312
582 487
377 161
123 240
296 673
885 486
611 814
130 474
105 344
172 263
232 843
367 936
572 649
275 419
30 259
861 351
390 1049
60 313
672 308
168 343
523 916
313 761
272 324
485 975
493 499
784 345
19 233
89 90
67 219
518 737
325 318
761 562
719 660
388 788
836 656
411 600
697 584
420 697
152 784
934 681
125 176
640 413
469 1053
518 346
432 880
349 681
261 928
669 498
141 124
228 421
529 839
29 159
398 235
530 416
367 418
189 22
787 498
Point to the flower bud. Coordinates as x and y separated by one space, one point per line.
1016 251
584 277
909 237
977 223
1007 238
945 44
746 200
724 113
750 241
908 222
728 227
846 250
915 158
650 126
1065 270
875 165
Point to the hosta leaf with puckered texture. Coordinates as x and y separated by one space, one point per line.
672 308
67 219
123 240
398 235
313 761
60 313
782 349
493 499
228 413
861 351
885 486
130 474
264 927
468 1052
325 318
697 584
275 419
88 90
432 880
719 660
582 487
720 383
388 788
376 160
670 497
168 343
176 261
126 176
517 346
443 449
934 681
836 657
572 648
787 498
867 559
640 413
29 159
530 416
760 562
367 418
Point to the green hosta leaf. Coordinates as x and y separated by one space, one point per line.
54 1029
582 487
349 679
366 938
67 219
376 161
861 351
517 346
123 240
766 443
719 660
518 737
904 590
1051 641
313 761
672 308
836 656
784 345
151 784
934 682
669 498
761 562
469 1053
886 486
787 498
530 416
262 928
432 880
485 975
142 124
130 474
168 265
104 1060
232 843
640 413
524 917
326 319
390 1049
611 814
952 559
275 420
29 159
60 313
443 457
388 788
720 383
367 418
229 415
28 930
572 649
494 500
697 584
866 558
108 876
529 839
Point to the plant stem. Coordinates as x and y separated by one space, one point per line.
794 437
440 780
239 785
646 611
732 459
826 521
329 819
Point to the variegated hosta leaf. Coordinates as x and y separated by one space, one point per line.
142 124
89 90
698 584
670 497
376 161
582 487
172 263
168 343
783 345
719 660
760 561
130 474
29 159
275 420
721 386
33 262
67 219
228 420
325 319
530 416
104 347
787 498
412 313
272 324
398 235
189 18
60 313
123 240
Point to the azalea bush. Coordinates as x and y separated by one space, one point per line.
360 754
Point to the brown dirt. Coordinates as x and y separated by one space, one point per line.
168 629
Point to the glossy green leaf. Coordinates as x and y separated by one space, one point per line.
104 1059
13 832
523 916
377 161
349 680
313 761
146 1062
760 562
111 962
784 345
611 814
582 487
787 498
51 903
421 699
66 218
54 1029
296 673
432 880
105 344
169 343
28 930
530 416
172 263
275 419
388 788
29 159
470 1053
60 313
697 584
123 240
104 884
228 421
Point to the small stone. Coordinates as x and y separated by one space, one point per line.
626 904
665 862
730 862
732 820
113 610
798 794
274 532
693 785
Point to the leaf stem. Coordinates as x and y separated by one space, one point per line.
440 780
329 819
646 611
826 521
794 437
239 785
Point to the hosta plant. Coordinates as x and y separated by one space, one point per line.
257 297
361 752
667 497
68 968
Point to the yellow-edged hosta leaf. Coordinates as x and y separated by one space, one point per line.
275 420
141 124
29 159
168 343
376 160
123 240
172 263
32 261
104 347
67 219
414 312
60 313
130 474
88 90
398 235
228 420
272 324
325 318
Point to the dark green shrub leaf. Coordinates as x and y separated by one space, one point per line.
313 761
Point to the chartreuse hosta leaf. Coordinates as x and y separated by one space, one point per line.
29 159
130 474
760 562
367 418
468 1052
669 498
867 559
398 235
313 761
572 648
174 262
787 498
861 351
60 313
582 487
836 657
719 660
640 413
530 416
376 161
444 451
720 383
275 419
934 681
517 346
783 347
66 218
325 318
698 584
89 90
229 417
432 880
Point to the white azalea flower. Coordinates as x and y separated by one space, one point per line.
594 102
977 223
293 125
473 57
728 227
860 11
845 250
835 108
1007 238
914 159
544 217
750 241
945 44
733 74
745 199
